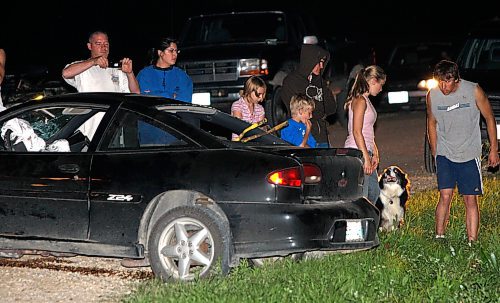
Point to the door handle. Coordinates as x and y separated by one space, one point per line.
69 168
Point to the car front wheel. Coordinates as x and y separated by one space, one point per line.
185 244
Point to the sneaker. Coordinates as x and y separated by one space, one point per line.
440 237
471 243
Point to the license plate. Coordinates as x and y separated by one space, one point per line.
354 232
201 98
398 97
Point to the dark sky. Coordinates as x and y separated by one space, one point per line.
55 31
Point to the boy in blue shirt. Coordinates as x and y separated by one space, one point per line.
298 131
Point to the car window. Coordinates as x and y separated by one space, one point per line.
419 54
234 28
46 129
223 126
481 54
131 131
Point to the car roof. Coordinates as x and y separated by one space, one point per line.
109 98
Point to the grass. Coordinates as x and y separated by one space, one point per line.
408 266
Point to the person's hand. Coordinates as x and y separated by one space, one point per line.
375 162
335 90
308 124
101 61
367 167
126 65
493 159
367 164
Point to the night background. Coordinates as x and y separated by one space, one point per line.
54 33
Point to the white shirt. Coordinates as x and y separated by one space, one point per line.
97 79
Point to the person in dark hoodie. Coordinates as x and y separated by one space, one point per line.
307 79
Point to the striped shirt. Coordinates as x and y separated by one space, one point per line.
241 105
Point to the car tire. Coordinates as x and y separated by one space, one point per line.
276 111
186 244
430 164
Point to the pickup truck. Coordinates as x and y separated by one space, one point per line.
220 51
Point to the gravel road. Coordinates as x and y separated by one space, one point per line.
74 279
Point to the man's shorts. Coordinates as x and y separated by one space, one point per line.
466 175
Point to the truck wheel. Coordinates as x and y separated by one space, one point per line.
276 111
185 244
430 165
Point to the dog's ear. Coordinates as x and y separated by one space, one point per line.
402 176
381 179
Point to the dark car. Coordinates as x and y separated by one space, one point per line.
409 74
479 61
157 180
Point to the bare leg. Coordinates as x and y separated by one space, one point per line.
443 210
471 216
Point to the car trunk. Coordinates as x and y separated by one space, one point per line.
341 173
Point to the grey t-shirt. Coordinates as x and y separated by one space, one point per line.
457 116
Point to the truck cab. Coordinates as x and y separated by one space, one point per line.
220 51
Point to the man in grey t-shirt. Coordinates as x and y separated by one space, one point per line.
454 108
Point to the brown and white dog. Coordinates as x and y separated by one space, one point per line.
394 193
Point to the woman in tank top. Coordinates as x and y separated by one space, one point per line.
362 117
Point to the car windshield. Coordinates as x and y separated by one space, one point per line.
235 29
485 54
417 55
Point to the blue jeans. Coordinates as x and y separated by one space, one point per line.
322 144
371 189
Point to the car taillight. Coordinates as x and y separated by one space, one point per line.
312 174
286 177
293 176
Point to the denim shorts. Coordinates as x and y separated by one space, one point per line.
466 175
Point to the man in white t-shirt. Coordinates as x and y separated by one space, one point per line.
95 75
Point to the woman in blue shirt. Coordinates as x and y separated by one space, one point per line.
162 77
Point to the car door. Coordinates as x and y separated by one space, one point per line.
43 188
129 171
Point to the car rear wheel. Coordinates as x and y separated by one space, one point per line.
185 244
430 165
